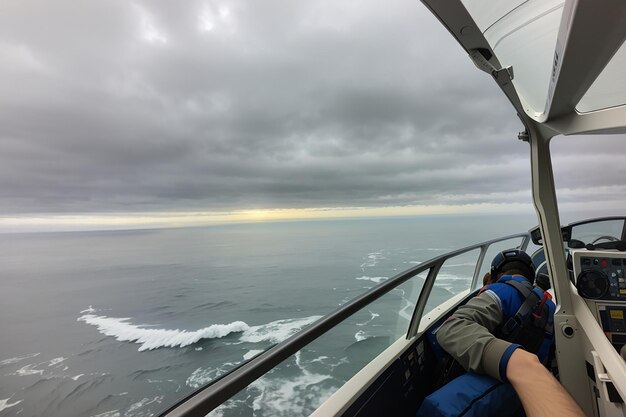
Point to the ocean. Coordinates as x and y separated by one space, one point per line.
125 323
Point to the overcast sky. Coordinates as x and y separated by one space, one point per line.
152 106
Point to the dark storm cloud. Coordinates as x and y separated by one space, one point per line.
115 106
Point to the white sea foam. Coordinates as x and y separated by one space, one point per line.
151 338
140 404
17 359
372 259
56 361
4 404
28 370
458 265
377 280
112 413
273 332
449 282
251 354
325 360
452 278
276 331
290 396
272 396
89 310
360 335
75 378
202 376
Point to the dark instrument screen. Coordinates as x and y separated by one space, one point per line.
602 278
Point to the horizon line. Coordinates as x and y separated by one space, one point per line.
175 219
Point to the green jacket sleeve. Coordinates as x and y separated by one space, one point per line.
467 335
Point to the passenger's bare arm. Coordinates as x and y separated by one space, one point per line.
541 394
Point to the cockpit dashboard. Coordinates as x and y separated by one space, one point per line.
600 279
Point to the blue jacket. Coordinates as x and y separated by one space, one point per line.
470 337
471 334
510 300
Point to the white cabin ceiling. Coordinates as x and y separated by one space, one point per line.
523 35
568 56
609 89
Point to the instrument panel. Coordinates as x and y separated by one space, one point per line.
600 275
600 279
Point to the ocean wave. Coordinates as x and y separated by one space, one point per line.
4 404
377 280
17 359
276 331
28 370
151 338
213 305
81 390
56 361
143 374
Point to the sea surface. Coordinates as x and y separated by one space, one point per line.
125 323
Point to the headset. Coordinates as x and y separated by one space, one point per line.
513 259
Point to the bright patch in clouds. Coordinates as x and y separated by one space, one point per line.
210 16
148 30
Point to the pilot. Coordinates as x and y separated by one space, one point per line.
468 335
521 317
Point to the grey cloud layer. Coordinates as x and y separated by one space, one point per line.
130 106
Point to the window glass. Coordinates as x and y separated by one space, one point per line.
486 13
305 380
454 277
527 44
589 174
598 232
523 35
609 89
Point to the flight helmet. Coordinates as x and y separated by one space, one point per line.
513 260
